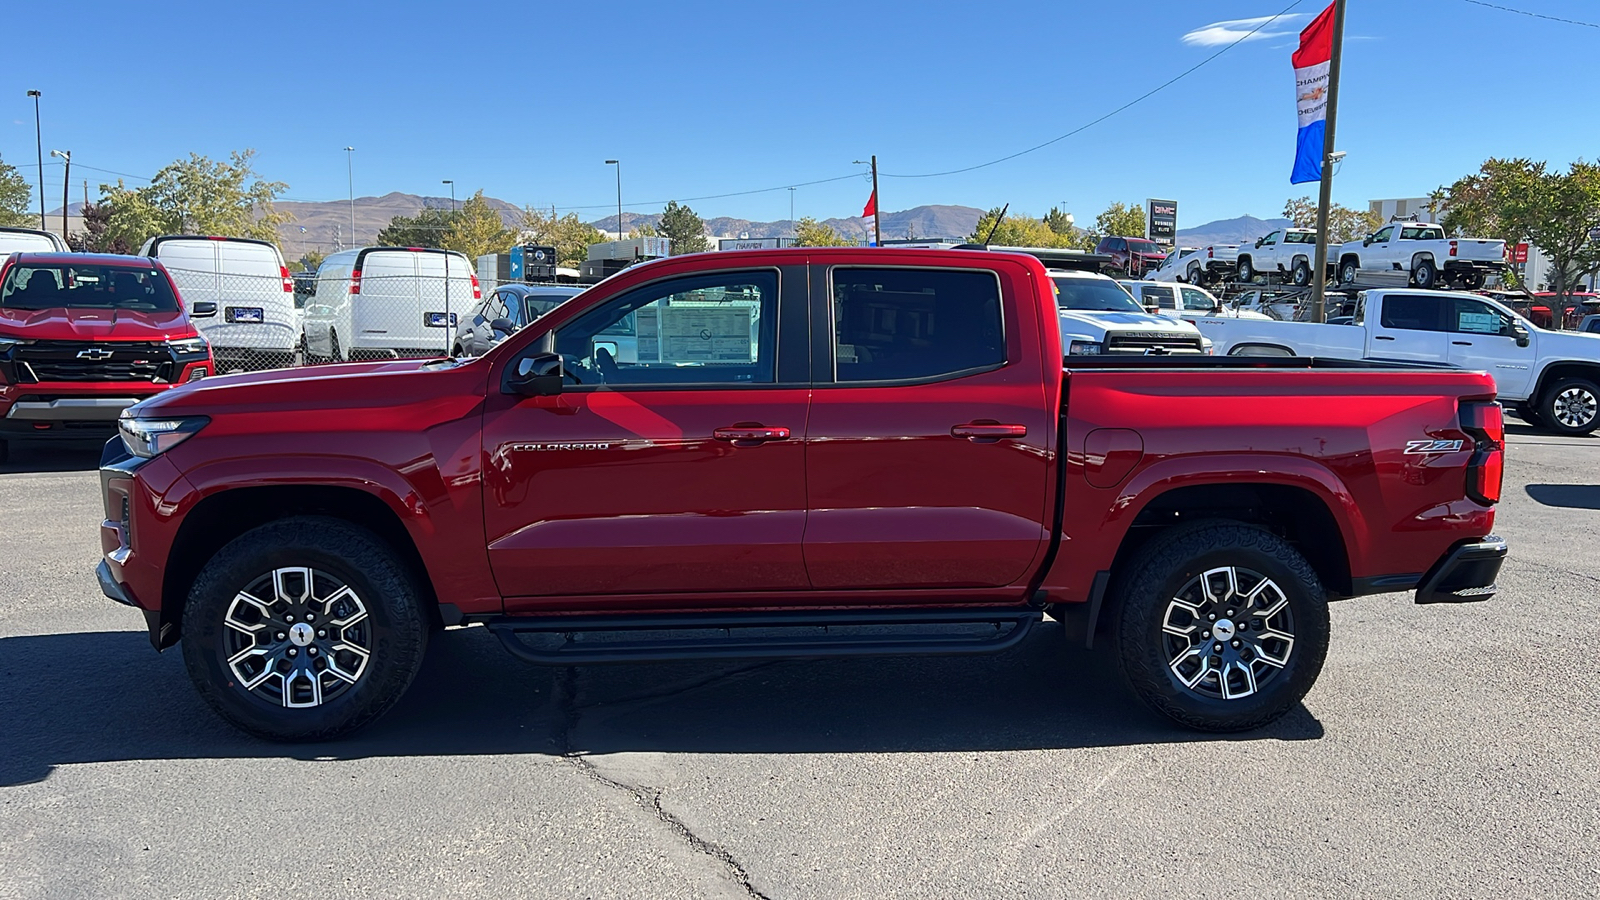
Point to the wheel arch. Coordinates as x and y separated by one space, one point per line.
1564 369
220 517
1252 345
1421 256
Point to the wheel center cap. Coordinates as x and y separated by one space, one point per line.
300 634
1224 629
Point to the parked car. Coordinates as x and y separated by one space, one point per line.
1579 305
1199 265
506 309
1552 379
256 325
83 337
1131 256
1422 249
1589 325
1183 301
29 240
1286 252
388 303
1100 316
899 454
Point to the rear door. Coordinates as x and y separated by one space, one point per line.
927 452
1410 327
387 314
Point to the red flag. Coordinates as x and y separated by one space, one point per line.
872 206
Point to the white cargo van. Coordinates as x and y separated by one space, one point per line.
388 303
256 325
29 240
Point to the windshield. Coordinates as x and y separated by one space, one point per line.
87 287
1139 246
1093 295
536 305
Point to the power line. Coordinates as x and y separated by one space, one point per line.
1524 12
1087 125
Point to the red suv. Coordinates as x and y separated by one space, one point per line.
85 336
1130 256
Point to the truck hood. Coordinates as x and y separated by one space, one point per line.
1570 345
68 324
347 384
1099 324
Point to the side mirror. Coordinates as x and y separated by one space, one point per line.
1366 241
1521 334
1258 242
503 324
538 375
204 309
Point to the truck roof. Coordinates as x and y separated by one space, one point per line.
84 259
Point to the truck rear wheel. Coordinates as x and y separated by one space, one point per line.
1301 274
1570 406
1425 275
303 629
1223 626
1247 272
1348 270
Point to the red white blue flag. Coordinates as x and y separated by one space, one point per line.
1311 96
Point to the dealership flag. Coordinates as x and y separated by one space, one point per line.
871 209
1311 96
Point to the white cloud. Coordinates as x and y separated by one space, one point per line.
1232 30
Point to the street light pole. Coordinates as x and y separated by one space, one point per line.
793 232
66 182
618 164
37 139
350 173
452 194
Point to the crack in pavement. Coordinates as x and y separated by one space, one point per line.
646 798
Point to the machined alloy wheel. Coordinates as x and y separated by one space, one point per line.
1571 406
1228 632
297 637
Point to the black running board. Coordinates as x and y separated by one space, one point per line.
1011 627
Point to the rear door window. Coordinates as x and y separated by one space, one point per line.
1159 295
915 324
1413 312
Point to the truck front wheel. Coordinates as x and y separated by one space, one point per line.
1570 406
303 629
1223 626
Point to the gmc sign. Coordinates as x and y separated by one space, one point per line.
1161 221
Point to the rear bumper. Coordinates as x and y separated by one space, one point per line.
1466 574
1473 265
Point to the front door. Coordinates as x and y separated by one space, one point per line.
1481 338
928 448
1410 327
680 469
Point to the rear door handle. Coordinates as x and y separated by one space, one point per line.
1382 337
1462 343
987 431
751 434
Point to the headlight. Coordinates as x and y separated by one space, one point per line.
9 344
195 346
153 437
1207 346
1085 348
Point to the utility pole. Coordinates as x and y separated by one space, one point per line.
793 231
39 140
66 182
1319 272
618 164
877 211
350 175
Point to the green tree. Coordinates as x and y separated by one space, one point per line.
1517 200
685 229
1344 223
197 195
478 229
570 236
1017 230
1059 221
428 228
15 194
643 229
97 235
1119 220
808 232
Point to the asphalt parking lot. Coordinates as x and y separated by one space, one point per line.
1447 751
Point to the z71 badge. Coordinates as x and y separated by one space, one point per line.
1425 447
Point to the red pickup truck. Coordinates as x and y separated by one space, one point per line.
84 336
797 453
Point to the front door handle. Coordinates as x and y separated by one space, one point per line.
987 431
747 435
1382 337
1462 343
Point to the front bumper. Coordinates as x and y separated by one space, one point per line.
1464 575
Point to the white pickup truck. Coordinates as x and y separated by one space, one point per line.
1198 265
1287 252
1422 249
1099 316
1551 378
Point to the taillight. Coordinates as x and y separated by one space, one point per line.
1486 424
477 293
288 281
355 282
1452 248
1209 254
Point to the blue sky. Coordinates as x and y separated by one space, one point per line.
527 100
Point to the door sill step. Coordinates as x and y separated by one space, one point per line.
800 634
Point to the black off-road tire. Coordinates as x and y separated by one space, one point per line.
342 553
1569 406
1153 582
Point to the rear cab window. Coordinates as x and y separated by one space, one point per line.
901 324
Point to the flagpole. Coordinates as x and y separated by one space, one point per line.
1319 272
877 208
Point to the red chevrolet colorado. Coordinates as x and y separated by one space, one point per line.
83 337
717 455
